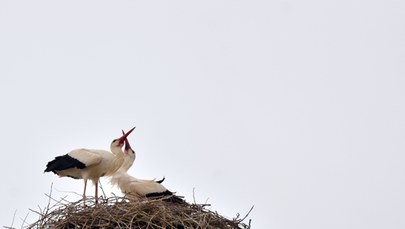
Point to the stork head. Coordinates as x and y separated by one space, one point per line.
127 148
129 155
119 142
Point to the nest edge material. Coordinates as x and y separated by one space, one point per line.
120 212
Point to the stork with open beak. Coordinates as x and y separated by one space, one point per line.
135 188
90 163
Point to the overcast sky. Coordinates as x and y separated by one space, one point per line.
296 107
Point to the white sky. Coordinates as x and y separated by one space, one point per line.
296 107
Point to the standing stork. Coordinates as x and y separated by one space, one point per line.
135 188
89 163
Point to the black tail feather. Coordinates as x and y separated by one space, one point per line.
160 181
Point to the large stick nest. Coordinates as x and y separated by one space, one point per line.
119 212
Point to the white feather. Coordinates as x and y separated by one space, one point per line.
133 187
89 157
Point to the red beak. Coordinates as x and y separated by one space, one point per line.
127 145
124 137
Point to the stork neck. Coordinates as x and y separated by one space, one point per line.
117 162
116 150
127 163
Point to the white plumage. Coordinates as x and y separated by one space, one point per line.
135 188
97 163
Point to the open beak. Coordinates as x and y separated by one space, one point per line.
124 137
127 145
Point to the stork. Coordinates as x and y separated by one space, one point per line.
89 163
135 188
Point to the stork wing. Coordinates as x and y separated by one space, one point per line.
80 159
146 188
88 157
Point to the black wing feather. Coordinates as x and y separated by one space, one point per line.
64 162
173 198
159 194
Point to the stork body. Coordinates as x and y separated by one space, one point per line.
135 188
89 164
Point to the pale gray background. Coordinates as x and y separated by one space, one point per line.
296 107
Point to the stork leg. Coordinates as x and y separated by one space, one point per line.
84 191
96 184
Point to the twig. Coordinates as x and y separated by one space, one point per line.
36 212
101 187
12 222
247 213
69 192
194 196
24 221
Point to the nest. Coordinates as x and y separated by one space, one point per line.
119 212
